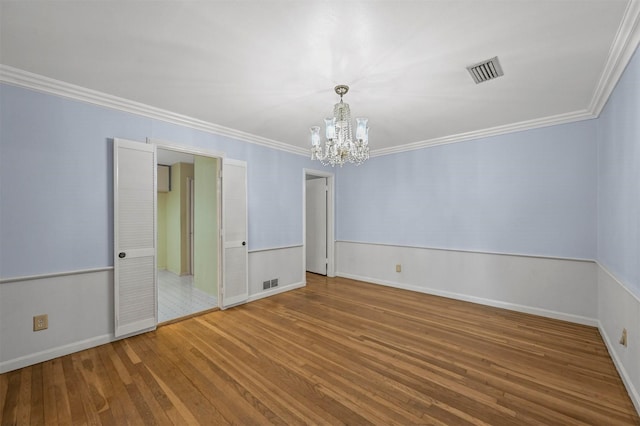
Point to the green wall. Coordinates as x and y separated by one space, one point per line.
177 237
173 232
162 230
206 224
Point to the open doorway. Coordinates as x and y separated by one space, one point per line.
319 223
188 233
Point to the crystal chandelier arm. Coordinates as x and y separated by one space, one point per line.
330 126
361 129
315 136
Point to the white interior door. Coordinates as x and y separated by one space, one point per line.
134 204
235 285
316 224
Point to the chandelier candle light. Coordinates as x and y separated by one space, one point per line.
340 146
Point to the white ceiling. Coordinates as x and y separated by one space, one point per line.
268 68
168 157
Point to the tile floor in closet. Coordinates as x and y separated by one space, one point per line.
178 297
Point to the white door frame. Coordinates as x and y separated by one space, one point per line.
331 241
161 144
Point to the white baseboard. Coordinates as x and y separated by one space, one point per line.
626 379
272 292
488 302
31 359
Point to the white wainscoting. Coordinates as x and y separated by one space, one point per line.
80 309
80 306
618 308
284 263
557 288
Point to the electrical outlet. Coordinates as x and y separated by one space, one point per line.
623 338
398 268
40 322
266 284
274 282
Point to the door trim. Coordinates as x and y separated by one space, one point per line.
161 144
331 239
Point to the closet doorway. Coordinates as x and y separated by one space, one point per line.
318 223
188 248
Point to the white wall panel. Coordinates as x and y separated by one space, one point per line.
286 264
556 288
80 309
618 308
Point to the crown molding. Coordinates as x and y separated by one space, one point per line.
624 45
493 131
622 49
18 77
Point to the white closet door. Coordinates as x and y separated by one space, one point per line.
316 223
134 217
235 286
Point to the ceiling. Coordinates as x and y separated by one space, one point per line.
169 157
268 68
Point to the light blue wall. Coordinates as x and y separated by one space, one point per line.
540 192
619 180
531 193
56 182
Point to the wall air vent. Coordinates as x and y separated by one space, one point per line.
485 70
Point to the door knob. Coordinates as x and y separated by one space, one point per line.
122 255
244 243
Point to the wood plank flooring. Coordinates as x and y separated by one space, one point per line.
335 352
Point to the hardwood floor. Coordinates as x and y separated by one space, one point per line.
335 352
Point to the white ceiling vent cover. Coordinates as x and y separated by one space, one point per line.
486 70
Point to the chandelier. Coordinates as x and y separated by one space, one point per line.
340 146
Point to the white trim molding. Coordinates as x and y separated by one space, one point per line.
578 319
274 291
54 274
622 49
497 253
274 248
624 45
492 131
21 78
186 149
48 354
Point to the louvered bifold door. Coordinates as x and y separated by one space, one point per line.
235 287
134 203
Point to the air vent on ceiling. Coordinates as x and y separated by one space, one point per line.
485 70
